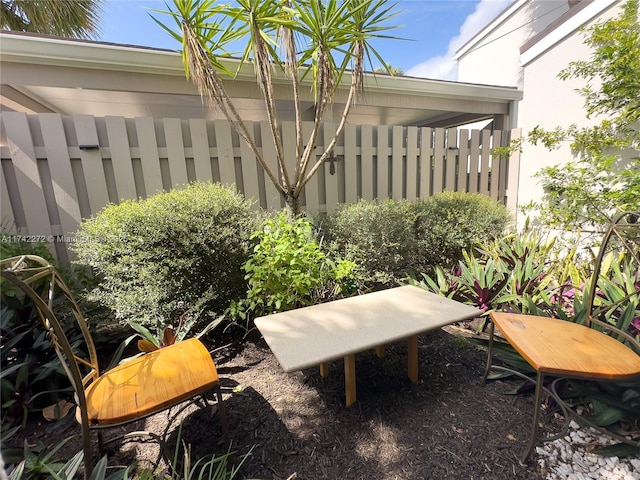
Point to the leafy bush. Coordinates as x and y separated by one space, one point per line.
377 236
450 222
392 239
288 269
175 252
12 245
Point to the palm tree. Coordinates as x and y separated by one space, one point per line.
316 39
64 18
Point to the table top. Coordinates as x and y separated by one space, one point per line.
308 336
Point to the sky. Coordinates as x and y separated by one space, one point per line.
433 29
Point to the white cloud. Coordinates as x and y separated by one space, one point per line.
443 67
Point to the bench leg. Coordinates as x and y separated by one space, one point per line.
412 354
380 351
324 369
350 379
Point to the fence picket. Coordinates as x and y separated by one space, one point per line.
495 166
382 155
273 195
91 160
451 166
439 154
250 166
175 152
397 161
311 189
64 189
485 155
463 161
426 157
225 152
121 157
474 160
149 156
366 161
201 153
331 181
411 171
23 156
350 163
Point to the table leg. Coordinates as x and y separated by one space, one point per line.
350 379
380 351
324 369
412 354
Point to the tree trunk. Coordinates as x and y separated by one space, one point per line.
292 202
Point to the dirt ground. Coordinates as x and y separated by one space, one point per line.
447 426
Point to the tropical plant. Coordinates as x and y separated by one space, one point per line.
320 40
523 273
32 376
41 461
604 177
173 253
76 19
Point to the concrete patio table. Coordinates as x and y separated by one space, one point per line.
316 335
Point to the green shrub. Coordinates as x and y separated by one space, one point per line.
12 245
450 222
175 252
378 236
288 269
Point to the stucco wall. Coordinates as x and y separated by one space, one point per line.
495 59
550 102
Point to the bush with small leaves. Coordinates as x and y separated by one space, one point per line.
176 252
450 222
378 236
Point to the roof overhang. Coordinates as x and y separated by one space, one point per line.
41 74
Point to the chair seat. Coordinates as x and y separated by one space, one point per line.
149 383
567 349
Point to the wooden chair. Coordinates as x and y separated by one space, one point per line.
596 350
131 391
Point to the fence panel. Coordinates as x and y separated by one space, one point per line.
57 170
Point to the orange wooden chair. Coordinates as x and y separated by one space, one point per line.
597 350
131 391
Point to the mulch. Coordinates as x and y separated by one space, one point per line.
447 426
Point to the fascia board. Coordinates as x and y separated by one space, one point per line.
564 30
77 54
495 23
440 88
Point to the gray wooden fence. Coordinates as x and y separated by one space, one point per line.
58 169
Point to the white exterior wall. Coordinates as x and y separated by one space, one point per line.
550 102
495 58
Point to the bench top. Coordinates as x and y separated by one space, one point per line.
306 337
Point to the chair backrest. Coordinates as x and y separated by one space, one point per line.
54 304
614 291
